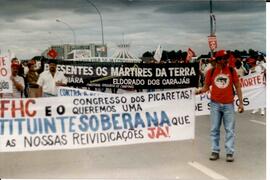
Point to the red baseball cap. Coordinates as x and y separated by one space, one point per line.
15 64
221 53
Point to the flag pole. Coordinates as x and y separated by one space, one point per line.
211 24
211 20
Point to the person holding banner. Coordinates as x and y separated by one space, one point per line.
17 82
31 78
210 64
49 80
260 67
222 79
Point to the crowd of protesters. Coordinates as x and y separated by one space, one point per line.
220 73
30 80
243 66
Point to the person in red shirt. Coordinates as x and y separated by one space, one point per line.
221 80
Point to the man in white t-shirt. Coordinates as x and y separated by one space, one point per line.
49 80
17 82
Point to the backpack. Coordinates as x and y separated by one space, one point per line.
231 71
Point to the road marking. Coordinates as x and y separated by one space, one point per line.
258 122
209 172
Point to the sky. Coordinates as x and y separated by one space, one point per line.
28 27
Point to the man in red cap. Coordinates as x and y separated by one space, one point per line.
222 79
17 82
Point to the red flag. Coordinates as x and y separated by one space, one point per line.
52 53
190 54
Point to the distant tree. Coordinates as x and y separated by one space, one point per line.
178 55
244 53
237 53
164 56
184 55
172 55
147 54
252 53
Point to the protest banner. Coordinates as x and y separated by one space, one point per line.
68 91
253 89
96 121
5 73
253 80
129 75
253 98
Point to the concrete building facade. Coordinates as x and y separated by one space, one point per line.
97 50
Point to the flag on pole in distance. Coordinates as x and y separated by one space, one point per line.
190 54
158 53
52 53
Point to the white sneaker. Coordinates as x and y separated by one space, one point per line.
254 111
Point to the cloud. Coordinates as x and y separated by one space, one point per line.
181 7
175 24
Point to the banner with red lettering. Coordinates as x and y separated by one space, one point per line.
5 73
253 80
253 90
96 121
253 98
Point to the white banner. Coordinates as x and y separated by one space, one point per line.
253 80
96 121
68 91
5 73
253 90
253 98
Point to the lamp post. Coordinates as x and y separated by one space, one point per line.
101 22
74 35
211 19
212 25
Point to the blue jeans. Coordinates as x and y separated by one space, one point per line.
218 113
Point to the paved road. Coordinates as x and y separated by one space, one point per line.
170 160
